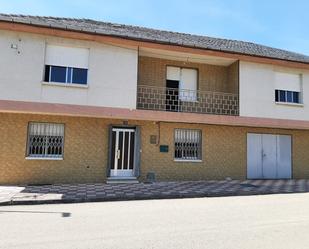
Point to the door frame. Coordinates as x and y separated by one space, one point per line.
137 148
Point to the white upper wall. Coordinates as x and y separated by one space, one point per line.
112 72
257 84
112 77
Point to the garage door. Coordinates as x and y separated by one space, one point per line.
268 156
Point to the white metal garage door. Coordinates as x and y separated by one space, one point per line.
268 156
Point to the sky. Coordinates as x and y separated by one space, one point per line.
277 23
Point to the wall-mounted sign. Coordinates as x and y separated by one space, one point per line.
164 148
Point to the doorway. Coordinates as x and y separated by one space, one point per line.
122 152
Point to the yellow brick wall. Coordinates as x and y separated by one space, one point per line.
152 72
224 152
86 142
233 78
85 145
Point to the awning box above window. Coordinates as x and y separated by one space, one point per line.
66 56
288 81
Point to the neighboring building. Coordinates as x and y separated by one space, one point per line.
87 101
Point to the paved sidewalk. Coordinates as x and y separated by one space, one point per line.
70 193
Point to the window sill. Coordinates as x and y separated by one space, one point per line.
44 158
189 101
64 84
290 104
187 161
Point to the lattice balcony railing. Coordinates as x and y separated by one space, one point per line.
176 100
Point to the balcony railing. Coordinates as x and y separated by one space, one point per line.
176 100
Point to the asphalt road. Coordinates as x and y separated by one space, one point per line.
273 221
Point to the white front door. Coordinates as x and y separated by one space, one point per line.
122 159
268 156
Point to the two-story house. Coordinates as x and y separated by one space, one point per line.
87 101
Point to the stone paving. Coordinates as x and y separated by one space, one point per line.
70 193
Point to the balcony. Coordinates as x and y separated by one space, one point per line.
176 100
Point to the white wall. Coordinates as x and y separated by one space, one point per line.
112 74
257 93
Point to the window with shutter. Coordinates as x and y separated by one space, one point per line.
66 64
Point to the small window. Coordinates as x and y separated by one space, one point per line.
65 74
188 144
45 140
287 96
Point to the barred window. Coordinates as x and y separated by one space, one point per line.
188 144
45 140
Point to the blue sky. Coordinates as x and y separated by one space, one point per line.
277 23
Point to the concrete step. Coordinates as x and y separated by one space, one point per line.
119 180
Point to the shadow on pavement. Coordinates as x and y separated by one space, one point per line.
63 214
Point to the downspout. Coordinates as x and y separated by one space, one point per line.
159 132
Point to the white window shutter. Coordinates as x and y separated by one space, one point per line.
173 73
66 56
287 81
188 84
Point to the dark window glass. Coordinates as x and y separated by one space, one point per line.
277 95
282 96
46 75
289 96
58 74
131 163
79 76
296 97
172 95
65 74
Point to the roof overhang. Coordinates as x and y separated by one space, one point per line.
9 106
185 57
82 35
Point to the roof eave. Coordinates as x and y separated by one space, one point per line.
139 42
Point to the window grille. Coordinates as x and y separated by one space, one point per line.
45 140
188 144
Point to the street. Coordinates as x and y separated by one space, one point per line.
269 221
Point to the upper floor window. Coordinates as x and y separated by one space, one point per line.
287 96
65 74
181 84
287 87
66 65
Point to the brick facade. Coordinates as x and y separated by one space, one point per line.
152 72
86 142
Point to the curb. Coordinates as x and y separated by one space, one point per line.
152 197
